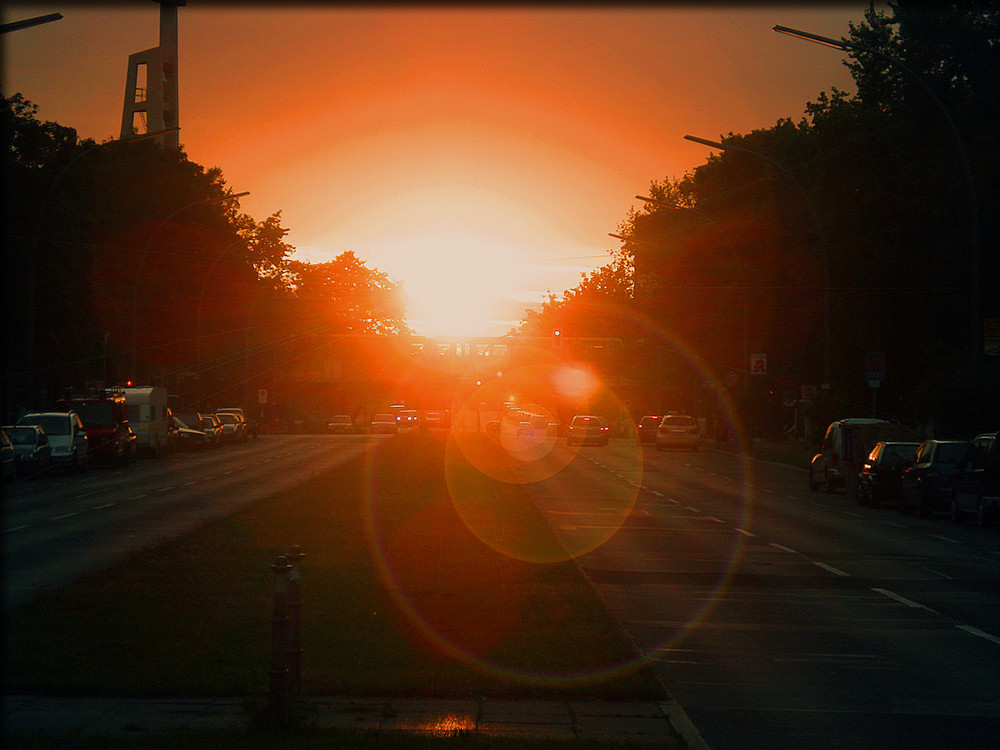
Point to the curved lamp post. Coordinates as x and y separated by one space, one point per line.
845 46
819 230
142 259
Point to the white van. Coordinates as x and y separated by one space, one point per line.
148 417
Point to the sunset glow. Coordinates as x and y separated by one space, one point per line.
477 156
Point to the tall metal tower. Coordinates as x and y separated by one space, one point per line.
153 101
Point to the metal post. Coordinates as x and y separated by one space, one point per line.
294 604
279 635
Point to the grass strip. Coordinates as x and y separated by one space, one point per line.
399 598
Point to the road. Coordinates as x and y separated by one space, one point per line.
61 526
777 617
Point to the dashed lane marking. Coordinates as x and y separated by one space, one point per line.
830 569
904 600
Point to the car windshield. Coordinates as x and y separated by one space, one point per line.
53 424
678 422
23 436
96 413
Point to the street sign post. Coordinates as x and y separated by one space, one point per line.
874 374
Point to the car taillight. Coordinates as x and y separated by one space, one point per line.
604 429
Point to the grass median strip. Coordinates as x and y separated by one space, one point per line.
399 598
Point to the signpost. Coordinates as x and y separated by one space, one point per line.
874 374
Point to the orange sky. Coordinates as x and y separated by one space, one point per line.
478 155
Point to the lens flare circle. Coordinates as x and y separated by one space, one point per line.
516 460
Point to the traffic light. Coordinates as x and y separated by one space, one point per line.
557 338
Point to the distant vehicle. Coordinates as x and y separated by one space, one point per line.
384 424
587 429
677 431
67 438
928 482
880 478
493 428
188 438
340 424
436 418
211 425
149 417
32 453
846 444
111 439
8 469
647 428
977 486
524 428
231 410
233 427
407 418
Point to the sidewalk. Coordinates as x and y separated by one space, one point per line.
646 722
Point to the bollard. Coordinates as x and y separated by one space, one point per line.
279 636
294 653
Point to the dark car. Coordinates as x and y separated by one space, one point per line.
187 438
32 452
977 485
927 484
880 478
9 470
647 428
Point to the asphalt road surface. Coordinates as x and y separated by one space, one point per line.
60 526
780 618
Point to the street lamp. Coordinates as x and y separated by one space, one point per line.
736 256
845 45
819 230
142 259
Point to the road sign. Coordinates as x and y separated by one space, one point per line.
758 364
875 367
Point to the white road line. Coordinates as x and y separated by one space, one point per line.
945 539
15 528
980 633
102 507
658 494
693 510
830 568
853 515
88 494
897 525
188 484
904 600
165 489
138 497
713 518
936 572
744 532
64 515
783 548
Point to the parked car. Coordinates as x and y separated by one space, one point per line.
251 425
881 474
927 484
188 438
110 438
8 469
846 444
233 428
587 429
212 427
647 428
340 424
149 417
435 419
677 431
67 438
977 485
32 452
384 424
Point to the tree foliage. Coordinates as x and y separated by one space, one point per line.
128 261
881 205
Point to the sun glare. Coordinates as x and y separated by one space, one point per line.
460 255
